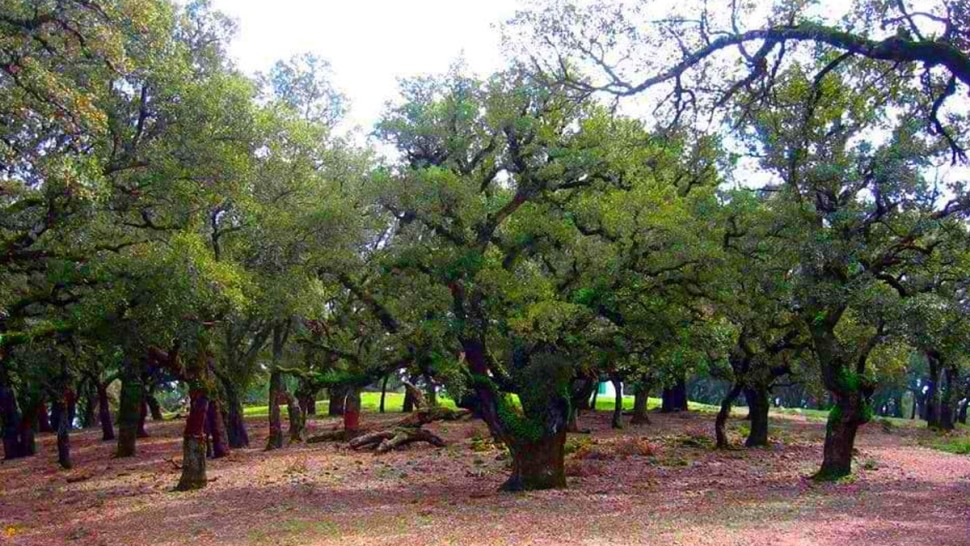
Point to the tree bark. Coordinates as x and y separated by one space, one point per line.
129 415
235 422
933 391
840 435
297 420
946 398
154 407
408 405
641 394
143 417
275 440
216 429
579 401
384 391
758 406
89 415
64 430
538 464
12 444
352 410
193 443
336 404
720 435
104 413
42 419
617 421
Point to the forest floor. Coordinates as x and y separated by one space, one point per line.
653 484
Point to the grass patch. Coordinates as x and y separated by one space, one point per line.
950 443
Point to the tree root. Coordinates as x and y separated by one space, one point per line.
386 440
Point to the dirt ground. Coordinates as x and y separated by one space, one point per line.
654 484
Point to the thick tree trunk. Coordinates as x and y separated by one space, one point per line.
720 434
579 401
758 406
336 404
104 413
129 415
538 464
843 423
352 410
384 391
275 440
235 422
674 398
216 430
640 396
297 420
193 443
13 447
617 421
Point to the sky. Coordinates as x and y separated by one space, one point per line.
370 43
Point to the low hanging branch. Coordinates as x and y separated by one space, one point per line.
409 430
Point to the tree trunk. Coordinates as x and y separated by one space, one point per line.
129 415
640 396
235 422
617 421
275 440
53 424
309 405
42 419
720 422
89 415
142 418
154 407
408 405
193 443
933 391
758 406
680 395
216 429
843 423
352 410
962 411
336 405
431 396
12 445
538 464
64 431
946 398
384 391
579 401
596 391
104 413
675 398
297 420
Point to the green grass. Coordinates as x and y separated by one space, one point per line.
369 402
951 443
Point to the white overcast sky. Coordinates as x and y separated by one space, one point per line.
370 43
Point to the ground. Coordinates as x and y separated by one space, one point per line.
654 484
